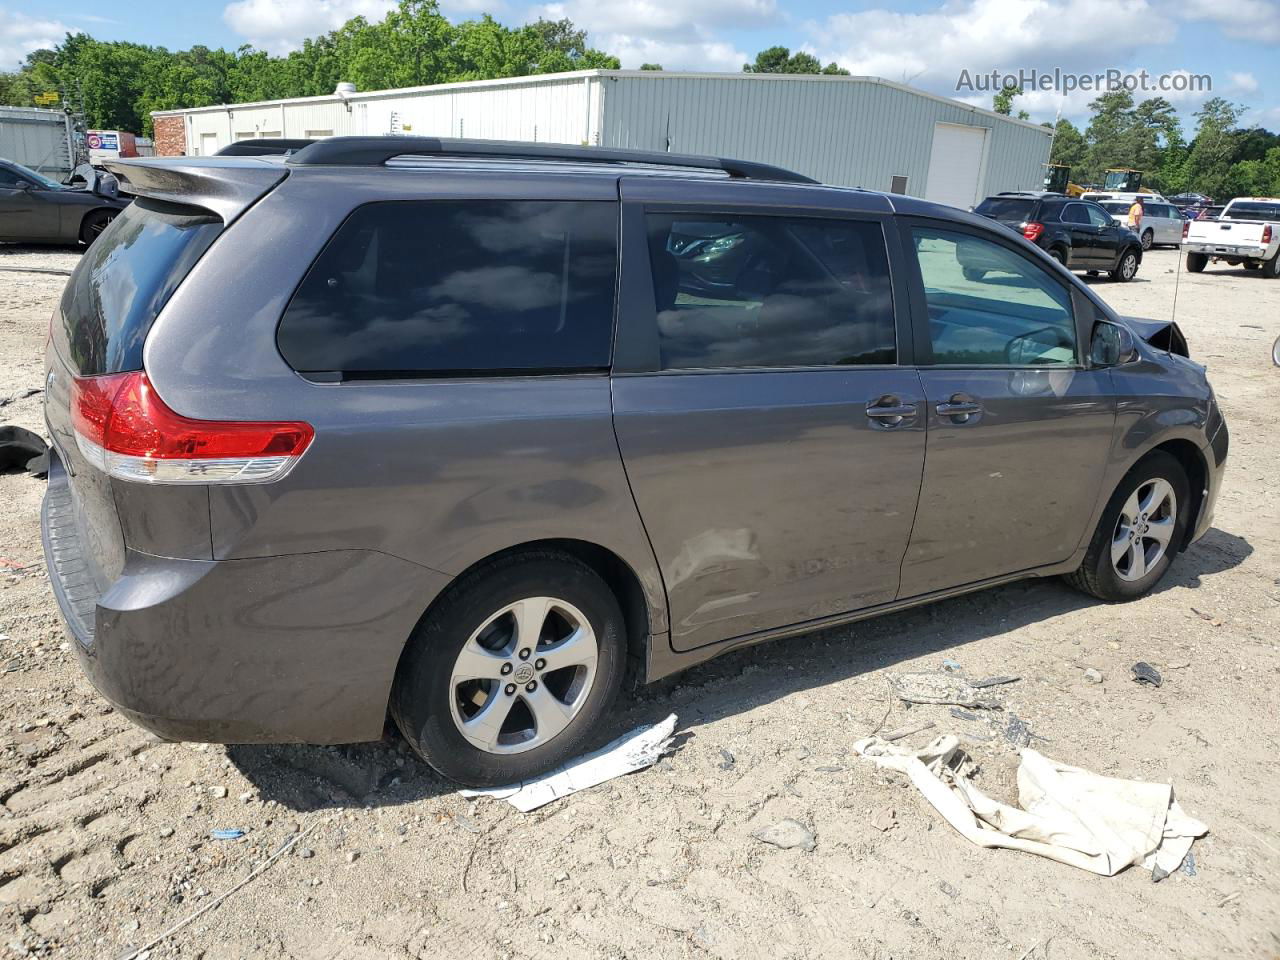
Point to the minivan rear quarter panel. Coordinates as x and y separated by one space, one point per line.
396 465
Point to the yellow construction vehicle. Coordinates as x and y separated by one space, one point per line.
1057 179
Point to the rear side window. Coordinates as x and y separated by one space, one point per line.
425 287
1006 208
1249 210
125 279
761 291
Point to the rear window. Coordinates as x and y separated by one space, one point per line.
1006 208
1115 206
446 287
125 279
1252 211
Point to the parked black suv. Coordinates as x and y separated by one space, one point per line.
1079 234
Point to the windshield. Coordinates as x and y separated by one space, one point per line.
37 177
1006 208
1248 210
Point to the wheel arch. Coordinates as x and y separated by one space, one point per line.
617 574
1192 460
90 211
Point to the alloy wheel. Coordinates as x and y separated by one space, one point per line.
522 677
1129 266
1144 529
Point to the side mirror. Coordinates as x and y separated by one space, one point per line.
22 185
1111 345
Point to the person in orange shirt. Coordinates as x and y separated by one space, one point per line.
1135 215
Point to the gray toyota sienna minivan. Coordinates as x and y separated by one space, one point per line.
457 430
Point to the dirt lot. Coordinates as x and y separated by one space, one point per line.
105 833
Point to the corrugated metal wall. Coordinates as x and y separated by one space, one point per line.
854 131
37 139
548 111
849 131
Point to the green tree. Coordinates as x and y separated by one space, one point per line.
782 60
1213 150
1069 146
650 66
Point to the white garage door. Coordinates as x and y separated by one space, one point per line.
955 164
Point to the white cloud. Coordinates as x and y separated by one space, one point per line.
1243 83
20 34
281 25
678 34
930 49
1254 20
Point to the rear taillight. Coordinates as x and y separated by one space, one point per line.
124 428
1266 233
1186 228
1032 230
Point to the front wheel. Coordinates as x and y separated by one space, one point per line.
1127 268
1140 531
93 225
1196 262
511 673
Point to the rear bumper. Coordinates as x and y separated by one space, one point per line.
296 648
1251 251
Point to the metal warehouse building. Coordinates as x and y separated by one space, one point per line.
854 131
35 138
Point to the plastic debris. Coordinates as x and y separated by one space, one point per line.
993 682
940 688
227 833
1018 732
636 750
1144 672
787 834
1100 824
952 666
907 731
963 714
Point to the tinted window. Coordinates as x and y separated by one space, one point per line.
735 291
437 286
1006 208
1074 213
1098 216
8 178
989 306
124 279
1252 211
1118 207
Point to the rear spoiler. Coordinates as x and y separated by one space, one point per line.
226 187
263 147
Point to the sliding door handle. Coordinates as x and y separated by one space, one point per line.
889 411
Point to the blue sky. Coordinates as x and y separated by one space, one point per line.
928 44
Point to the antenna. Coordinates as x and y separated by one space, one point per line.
1173 311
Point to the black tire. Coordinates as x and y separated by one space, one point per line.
973 274
1097 575
1271 268
1148 239
94 223
1251 264
1059 254
1126 267
1196 262
421 701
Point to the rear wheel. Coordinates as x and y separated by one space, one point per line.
510 675
1059 254
973 274
93 225
1148 238
1252 264
1127 268
1140 530
1271 268
1196 262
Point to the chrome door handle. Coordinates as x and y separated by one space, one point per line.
958 410
888 412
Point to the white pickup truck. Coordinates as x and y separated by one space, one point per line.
1247 232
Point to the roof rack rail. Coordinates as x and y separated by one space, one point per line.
263 147
373 151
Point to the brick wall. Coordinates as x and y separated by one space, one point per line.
171 136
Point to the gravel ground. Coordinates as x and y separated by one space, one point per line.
105 832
